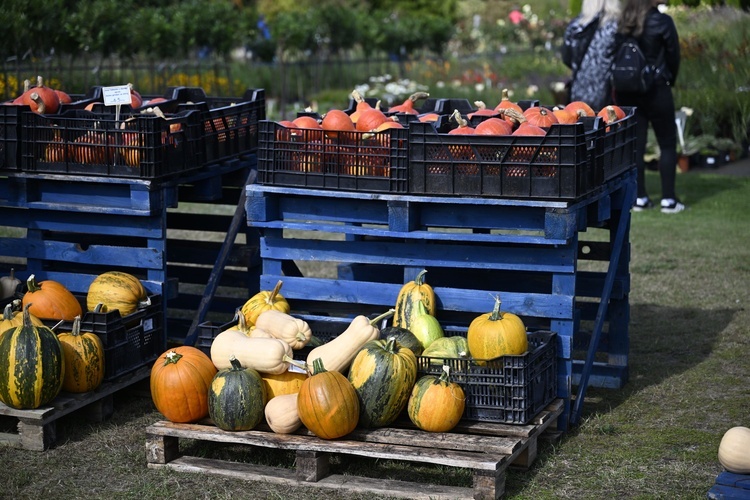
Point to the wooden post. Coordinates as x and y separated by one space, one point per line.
312 466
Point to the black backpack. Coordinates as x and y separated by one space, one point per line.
631 73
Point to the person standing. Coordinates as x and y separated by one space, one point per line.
588 49
657 37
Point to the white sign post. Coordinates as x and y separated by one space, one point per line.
116 96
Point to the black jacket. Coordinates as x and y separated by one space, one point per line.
661 45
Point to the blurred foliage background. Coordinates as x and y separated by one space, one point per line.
314 53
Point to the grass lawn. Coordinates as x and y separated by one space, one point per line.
655 438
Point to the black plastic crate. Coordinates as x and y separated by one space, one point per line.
558 165
88 143
616 147
130 342
349 161
10 125
508 389
229 124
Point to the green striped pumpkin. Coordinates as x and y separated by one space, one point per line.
83 357
31 365
117 290
236 398
409 296
453 347
383 374
403 337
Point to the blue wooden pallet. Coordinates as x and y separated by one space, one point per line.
71 228
730 486
528 251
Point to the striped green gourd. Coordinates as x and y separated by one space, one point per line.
409 296
383 374
31 365
117 290
83 354
454 347
236 398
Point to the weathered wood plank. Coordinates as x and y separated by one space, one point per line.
287 477
345 446
37 429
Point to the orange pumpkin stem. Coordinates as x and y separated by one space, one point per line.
318 366
32 285
445 376
496 314
172 357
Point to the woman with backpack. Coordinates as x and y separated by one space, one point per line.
657 38
587 50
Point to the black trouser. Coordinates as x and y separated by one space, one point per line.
657 108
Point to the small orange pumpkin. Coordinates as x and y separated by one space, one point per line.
180 379
327 403
50 300
540 116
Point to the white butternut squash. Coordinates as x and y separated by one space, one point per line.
282 415
261 354
339 353
294 331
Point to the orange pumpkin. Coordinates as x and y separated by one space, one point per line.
327 403
540 116
50 300
180 379
493 126
580 108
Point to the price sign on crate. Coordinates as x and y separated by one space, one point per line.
116 95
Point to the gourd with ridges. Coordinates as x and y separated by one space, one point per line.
263 301
294 331
327 403
410 294
383 374
31 367
9 284
12 319
50 300
83 353
425 326
236 398
282 415
339 353
436 404
734 450
117 290
497 334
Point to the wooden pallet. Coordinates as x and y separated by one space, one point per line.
37 429
487 449
730 486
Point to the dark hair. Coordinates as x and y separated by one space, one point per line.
634 16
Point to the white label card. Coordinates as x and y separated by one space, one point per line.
119 94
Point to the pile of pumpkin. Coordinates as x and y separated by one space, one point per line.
365 376
36 361
358 141
93 146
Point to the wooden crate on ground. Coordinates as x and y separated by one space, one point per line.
37 428
486 449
